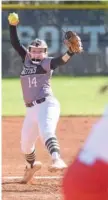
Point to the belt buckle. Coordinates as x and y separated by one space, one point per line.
34 103
40 100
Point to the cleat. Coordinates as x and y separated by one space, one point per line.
30 171
58 165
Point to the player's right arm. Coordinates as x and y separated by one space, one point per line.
13 21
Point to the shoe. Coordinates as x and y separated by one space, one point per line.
30 171
58 165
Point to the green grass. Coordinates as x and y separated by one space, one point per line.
77 96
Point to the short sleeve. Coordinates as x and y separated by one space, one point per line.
46 63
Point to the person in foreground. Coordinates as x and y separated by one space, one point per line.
43 109
87 177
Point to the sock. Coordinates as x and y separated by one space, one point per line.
53 147
55 155
30 158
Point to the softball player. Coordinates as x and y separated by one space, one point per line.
43 108
87 177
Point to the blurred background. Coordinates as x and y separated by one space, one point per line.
76 85
47 20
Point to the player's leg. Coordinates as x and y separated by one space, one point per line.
28 139
48 116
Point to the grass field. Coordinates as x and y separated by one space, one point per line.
77 96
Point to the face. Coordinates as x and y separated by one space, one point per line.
37 53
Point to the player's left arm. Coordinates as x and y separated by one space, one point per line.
61 60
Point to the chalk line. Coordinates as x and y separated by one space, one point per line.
35 177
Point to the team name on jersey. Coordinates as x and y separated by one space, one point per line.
32 70
28 71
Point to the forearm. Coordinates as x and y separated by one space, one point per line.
61 60
15 42
66 57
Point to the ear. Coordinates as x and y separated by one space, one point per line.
28 54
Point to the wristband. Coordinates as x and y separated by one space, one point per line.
70 53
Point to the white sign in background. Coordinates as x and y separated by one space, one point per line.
27 34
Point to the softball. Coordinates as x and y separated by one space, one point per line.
13 18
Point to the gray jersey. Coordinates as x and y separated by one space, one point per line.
35 79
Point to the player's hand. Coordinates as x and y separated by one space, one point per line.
13 19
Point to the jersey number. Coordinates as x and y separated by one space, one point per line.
32 82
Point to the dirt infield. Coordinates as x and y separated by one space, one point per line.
71 132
